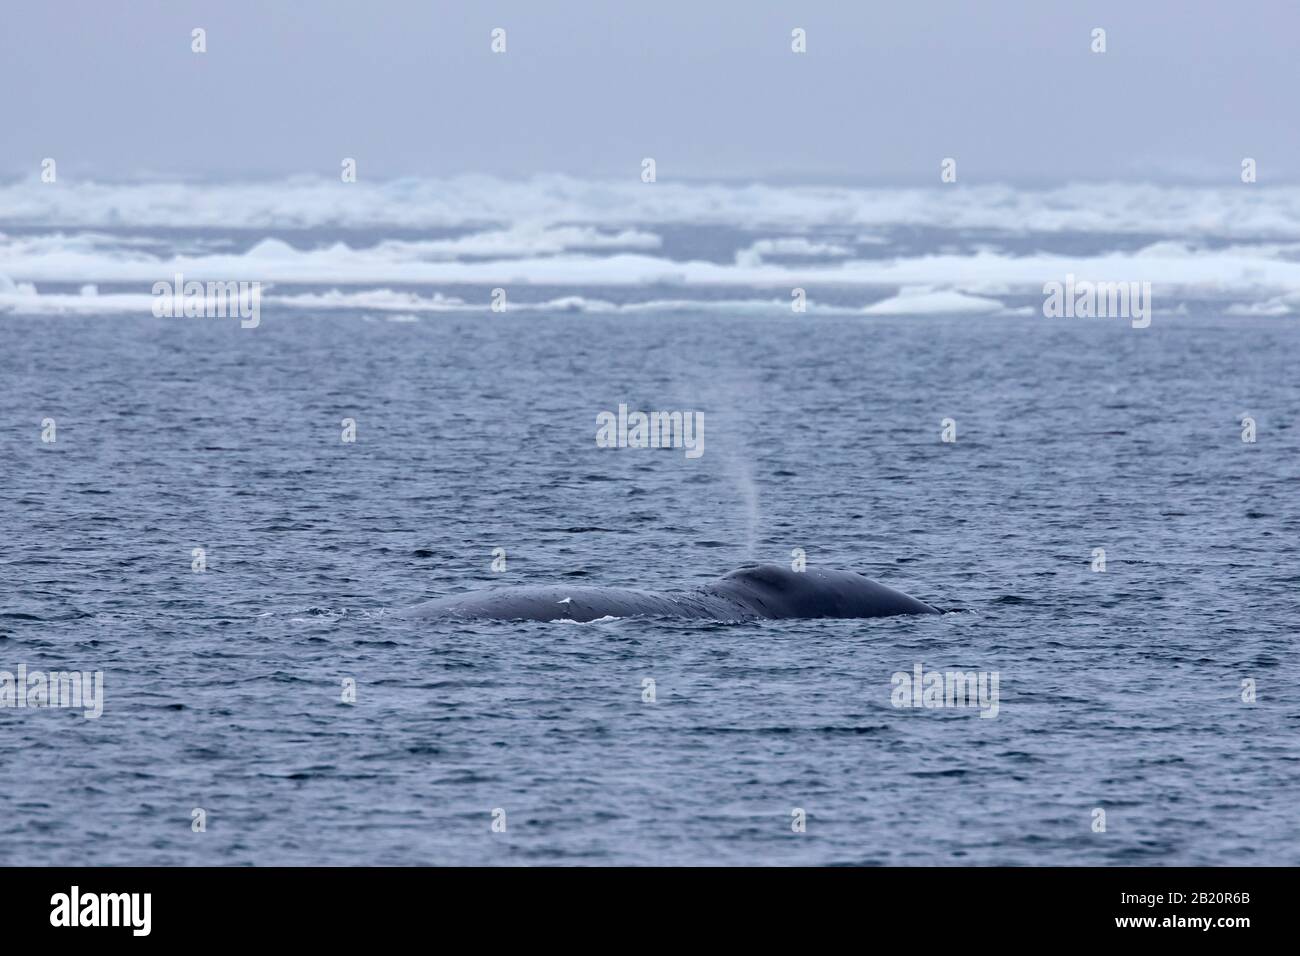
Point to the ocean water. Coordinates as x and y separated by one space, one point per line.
1119 690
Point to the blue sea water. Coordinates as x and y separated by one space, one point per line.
1120 690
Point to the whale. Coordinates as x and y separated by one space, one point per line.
751 592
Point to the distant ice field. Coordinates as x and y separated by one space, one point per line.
558 244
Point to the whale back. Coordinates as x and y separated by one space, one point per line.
773 590
581 604
754 591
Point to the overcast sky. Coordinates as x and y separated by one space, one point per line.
709 88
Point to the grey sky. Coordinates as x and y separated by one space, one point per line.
1010 89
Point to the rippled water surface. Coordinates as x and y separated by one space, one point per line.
1118 690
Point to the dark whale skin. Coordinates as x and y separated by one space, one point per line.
753 592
